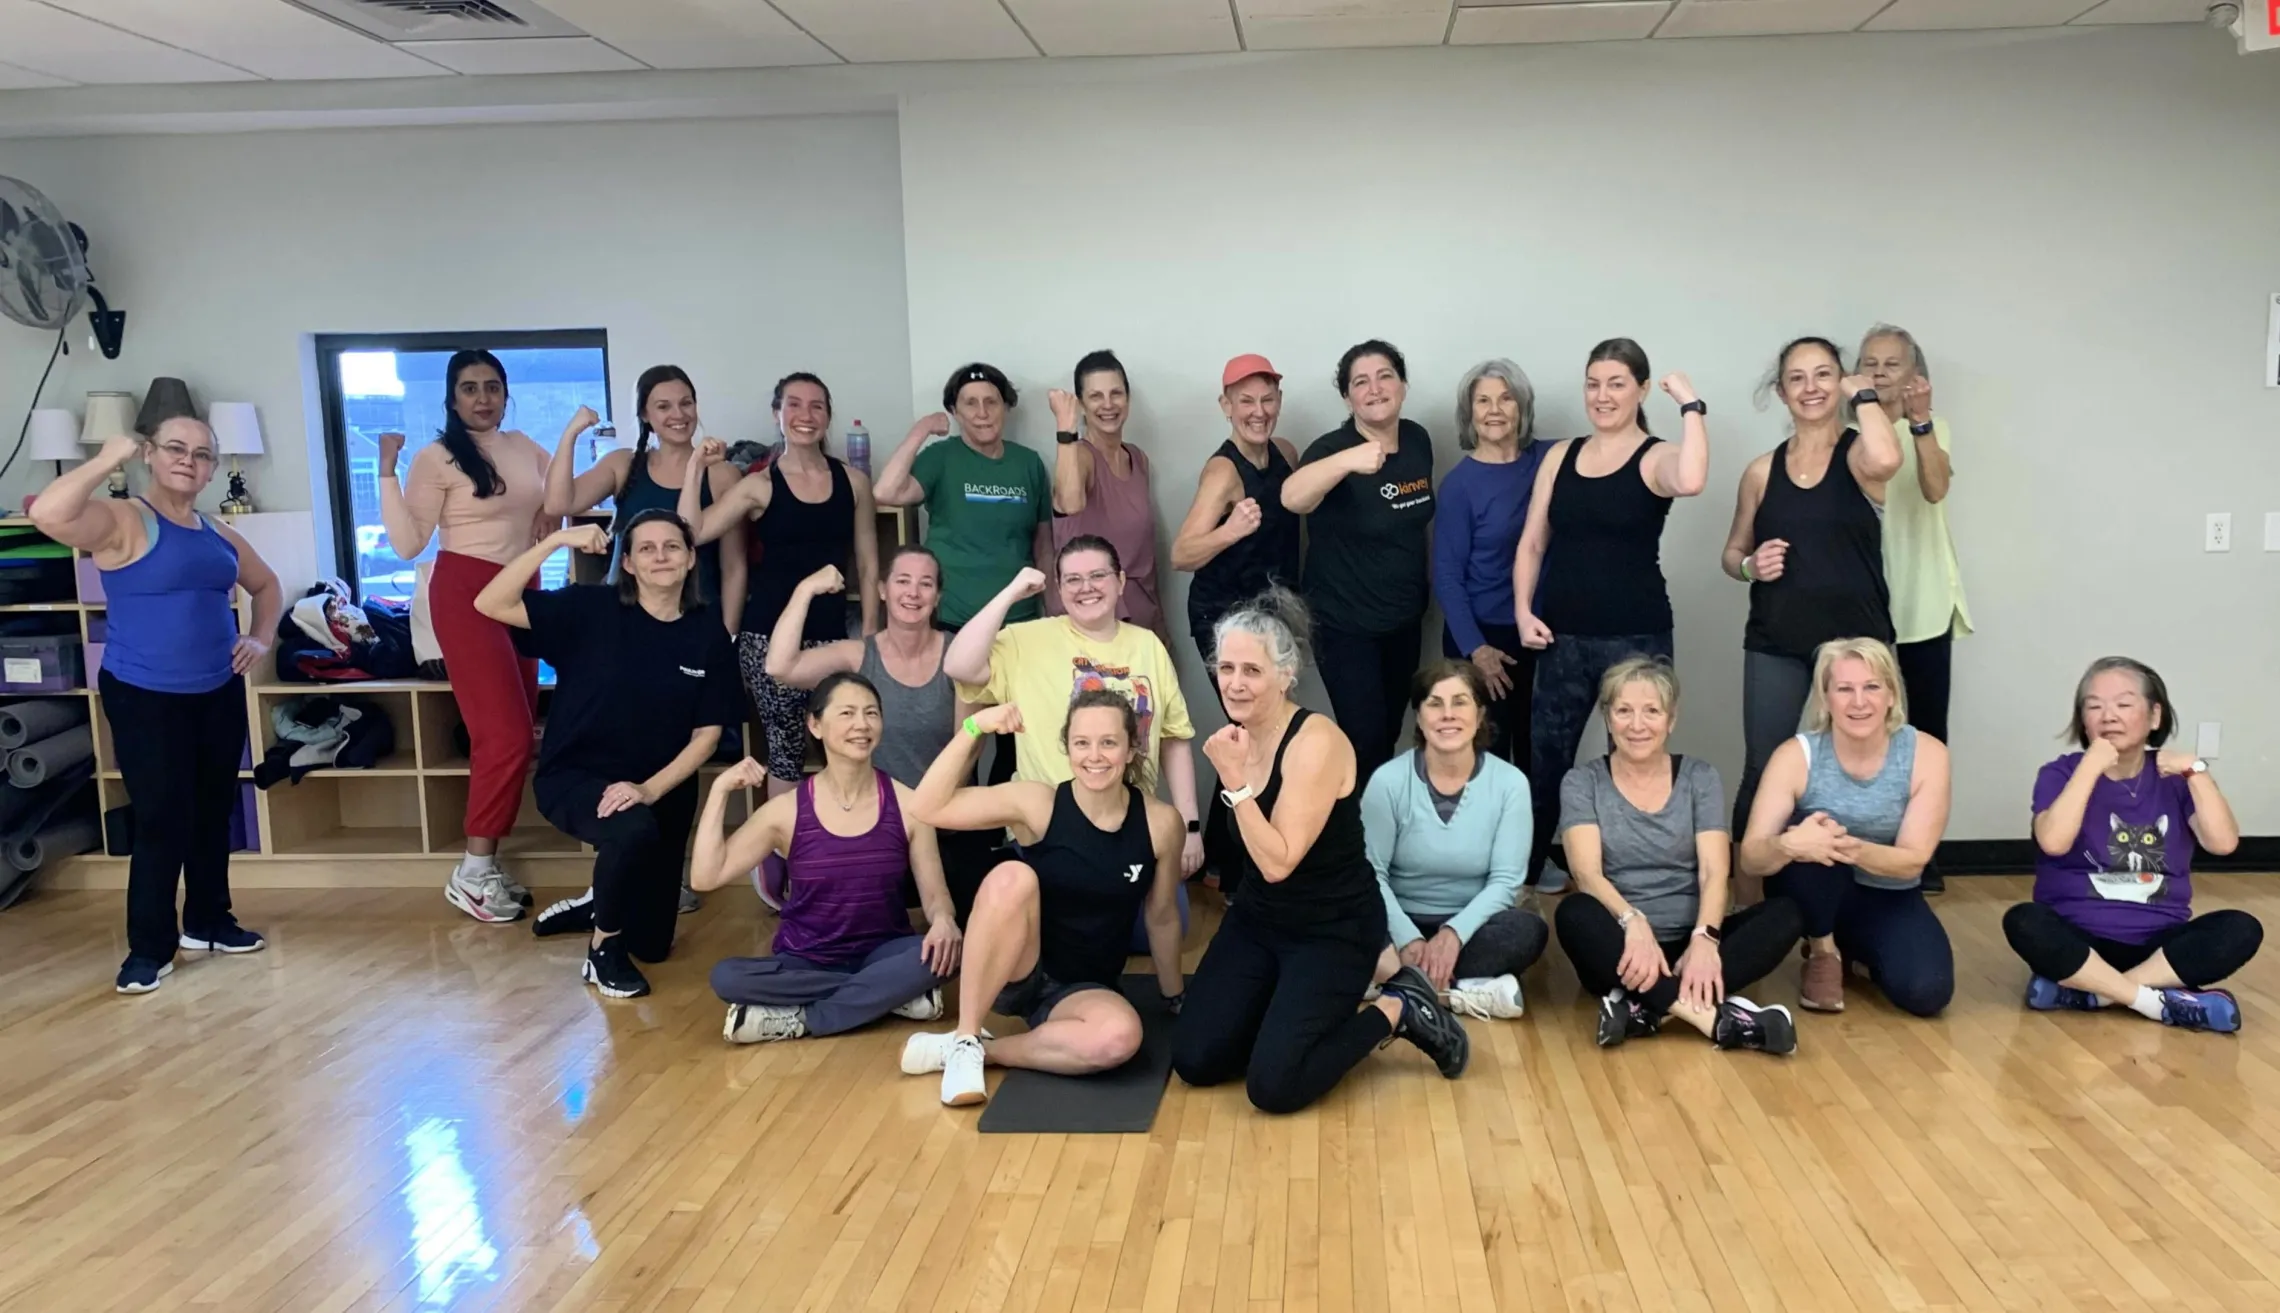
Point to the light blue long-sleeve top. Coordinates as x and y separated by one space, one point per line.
1467 868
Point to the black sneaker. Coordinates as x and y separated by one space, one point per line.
1744 1025
1621 1018
1933 882
609 970
571 914
140 975
229 937
1425 1023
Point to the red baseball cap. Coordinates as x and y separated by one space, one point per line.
1243 367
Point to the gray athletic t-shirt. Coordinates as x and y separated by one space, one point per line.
1649 856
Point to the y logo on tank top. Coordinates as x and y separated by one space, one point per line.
1132 872
2137 861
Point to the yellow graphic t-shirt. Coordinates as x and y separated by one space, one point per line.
1041 666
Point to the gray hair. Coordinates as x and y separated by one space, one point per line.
1279 620
1514 378
1915 348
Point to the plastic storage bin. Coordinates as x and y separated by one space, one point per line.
48 664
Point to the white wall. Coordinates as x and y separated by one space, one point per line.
740 250
2078 224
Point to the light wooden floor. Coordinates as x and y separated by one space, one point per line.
396 1108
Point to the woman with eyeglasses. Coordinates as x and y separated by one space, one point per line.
173 682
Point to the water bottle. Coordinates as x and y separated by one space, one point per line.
859 446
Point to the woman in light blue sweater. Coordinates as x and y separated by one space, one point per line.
1447 828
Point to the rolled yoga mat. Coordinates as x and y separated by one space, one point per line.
31 764
62 838
1118 1102
39 718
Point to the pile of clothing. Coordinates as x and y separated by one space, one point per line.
327 638
320 731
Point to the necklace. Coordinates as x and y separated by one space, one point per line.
845 804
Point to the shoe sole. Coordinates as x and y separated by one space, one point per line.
468 905
152 987
209 946
932 1012
605 991
966 1099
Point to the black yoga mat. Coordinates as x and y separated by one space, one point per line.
1119 1102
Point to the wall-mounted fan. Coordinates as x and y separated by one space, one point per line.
43 268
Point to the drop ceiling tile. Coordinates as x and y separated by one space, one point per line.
1121 27
527 54
1512 21
1766 17
696 33
1317 24
265 37
2147 11
895 31
1947 15
24 79
47 40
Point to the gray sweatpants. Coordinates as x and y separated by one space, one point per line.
837 996
1774 691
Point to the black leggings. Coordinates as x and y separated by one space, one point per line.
1509 716
2202 951
1280 1009
1892 932
638 855
1506 944
1752 942
178 756
1367 678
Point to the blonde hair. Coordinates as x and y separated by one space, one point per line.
1881 664
1654 672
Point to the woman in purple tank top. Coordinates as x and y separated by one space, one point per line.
173 682
845 952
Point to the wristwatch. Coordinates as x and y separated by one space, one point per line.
1923 430
2200 766
1234 797
1624 921
1064 437
1696 407
1865 397
1195 827
1709 932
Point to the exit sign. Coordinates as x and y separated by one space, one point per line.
2260 25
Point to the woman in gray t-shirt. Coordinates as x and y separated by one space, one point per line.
1647 928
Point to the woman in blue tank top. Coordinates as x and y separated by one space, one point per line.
172 682
1846 817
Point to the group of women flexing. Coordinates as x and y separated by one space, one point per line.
1372 893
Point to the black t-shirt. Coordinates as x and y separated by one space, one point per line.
630 689
1368 544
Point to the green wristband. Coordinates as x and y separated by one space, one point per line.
972 728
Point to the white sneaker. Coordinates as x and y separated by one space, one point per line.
751 1023
482 895
926 1007
514 887
1493 998
926 1051
962 1083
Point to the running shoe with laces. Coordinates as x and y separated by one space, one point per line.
1821 984
926 1007
924 1052
1742 1024
753 1023
566 916
690 900
2047 995
228 937
482 895
1428 1025
513 886
1621 1017
1491 998
962 1082
608 969
2200 1009
140 975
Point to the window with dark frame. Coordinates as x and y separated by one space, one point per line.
375 383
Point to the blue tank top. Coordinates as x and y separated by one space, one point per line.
171 627
1869 809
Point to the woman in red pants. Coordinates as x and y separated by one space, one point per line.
485 490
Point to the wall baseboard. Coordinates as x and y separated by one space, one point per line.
2017 856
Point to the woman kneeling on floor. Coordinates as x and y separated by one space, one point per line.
1048 932
2112 921
1447 828
1845 819
845 953
1647 927
644 682
1279 991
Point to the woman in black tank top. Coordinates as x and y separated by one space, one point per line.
1046 939
1808 540
1587 581
1279 991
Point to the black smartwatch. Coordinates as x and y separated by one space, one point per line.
1195 827
1064 436
1865 397
1696 407
1923 430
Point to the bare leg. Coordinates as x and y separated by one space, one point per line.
2154 973
1701 1018
1001 942
1388 963
1822 945
1091 1031
2097 977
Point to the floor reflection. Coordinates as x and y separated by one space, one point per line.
450 1245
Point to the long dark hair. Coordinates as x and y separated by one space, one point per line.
1633 357
1138 771
457 442
629 588
653 378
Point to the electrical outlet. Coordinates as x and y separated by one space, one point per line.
2205 742
2218 536
2272 531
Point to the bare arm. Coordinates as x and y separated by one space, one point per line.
1201 536
502 598
1934 472
714 860
67 511
702 741
734 563
1713 859
2060 824
1072 474
260 583
2213 823
1684 470
967 659
1163 909
945 800
787 663
1741 539
926 864
1312 780
1762 850
1920 826
893 485
1535 537
866 549
1875 458
1309 484
747 499
568 495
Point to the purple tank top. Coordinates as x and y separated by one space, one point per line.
844 895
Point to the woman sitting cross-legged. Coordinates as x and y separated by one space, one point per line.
1048 932
1647 925
1845 818
2112 921
1447 829
845 954
645 681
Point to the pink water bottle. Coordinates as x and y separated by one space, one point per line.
859 446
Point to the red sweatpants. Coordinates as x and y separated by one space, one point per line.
497 692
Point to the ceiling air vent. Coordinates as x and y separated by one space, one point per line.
441 20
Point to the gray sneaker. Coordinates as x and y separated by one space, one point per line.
483 896
690 902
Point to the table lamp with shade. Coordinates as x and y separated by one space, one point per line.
109 415
237 432
55 436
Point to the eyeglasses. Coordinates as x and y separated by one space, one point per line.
195 455
1096 578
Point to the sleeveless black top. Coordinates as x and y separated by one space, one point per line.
1333 890
1602 570
1268 556
796 539
643 493
1832 580
1091 885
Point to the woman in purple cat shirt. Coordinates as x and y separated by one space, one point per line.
2112 921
